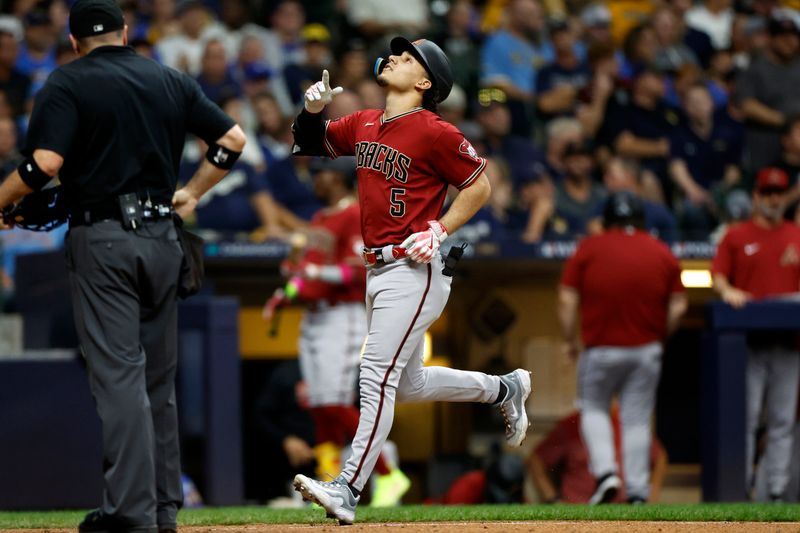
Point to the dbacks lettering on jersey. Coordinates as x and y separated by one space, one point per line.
383 159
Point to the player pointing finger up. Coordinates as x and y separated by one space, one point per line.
406 157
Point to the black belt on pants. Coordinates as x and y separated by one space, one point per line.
91 215
382 255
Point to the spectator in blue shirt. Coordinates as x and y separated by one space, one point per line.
13 83
640 48
704 161
37 51
239 203
499 218
672 53
576 196
559 83
461 39
698 41
640 127
511 57
274 129
138 27
216 77
623 175
494 118
290 180
318 56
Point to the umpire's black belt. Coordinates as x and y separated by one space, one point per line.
91 215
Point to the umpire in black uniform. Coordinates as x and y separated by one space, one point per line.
112 126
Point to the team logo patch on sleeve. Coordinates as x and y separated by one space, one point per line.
466 148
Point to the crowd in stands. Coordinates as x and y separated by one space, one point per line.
679 101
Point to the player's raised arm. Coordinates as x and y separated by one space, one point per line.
309 127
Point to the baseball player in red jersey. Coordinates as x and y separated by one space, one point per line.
758 259
406 156
327 274
625 285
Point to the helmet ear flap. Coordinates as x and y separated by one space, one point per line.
380 63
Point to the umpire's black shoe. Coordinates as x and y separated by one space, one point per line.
98 522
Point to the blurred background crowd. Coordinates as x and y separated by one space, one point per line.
680 101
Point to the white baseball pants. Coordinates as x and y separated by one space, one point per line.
403 299
632 373
330 343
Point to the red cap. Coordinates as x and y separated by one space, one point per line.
772 179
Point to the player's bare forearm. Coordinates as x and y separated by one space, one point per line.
13 189
264 206
568 300
720 283
541 479
678 304
629 145
504 84
557 100
758 112
731 295
466 204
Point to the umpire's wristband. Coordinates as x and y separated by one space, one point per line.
32 175
221 157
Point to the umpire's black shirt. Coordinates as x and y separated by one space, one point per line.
120 120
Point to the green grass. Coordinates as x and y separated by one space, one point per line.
415 513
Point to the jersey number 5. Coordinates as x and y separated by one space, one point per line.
398 207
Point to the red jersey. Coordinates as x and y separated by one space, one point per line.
335 239
761 261
625 280
404 165
563 450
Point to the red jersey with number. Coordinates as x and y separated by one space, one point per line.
334 239
625 280
761 261
404 165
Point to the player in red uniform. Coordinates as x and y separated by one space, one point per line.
406 157
625 285
760 258
327 274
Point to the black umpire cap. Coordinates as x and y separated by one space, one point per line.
95 17
623 208
432 58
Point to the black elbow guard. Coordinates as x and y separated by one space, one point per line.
309 134
221 157
32 175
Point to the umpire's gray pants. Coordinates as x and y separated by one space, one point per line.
124 300
772 381
632 373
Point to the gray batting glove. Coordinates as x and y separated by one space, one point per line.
320 94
